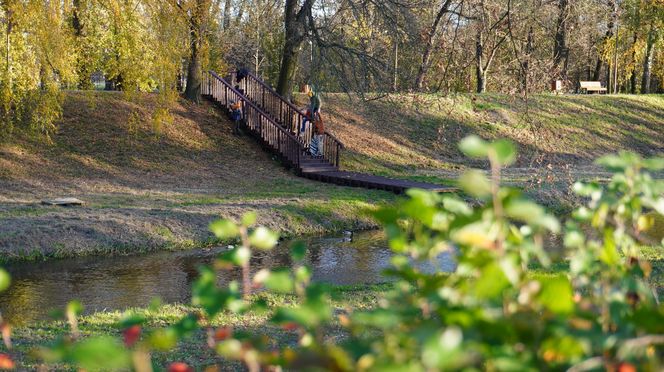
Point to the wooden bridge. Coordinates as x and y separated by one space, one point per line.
275 123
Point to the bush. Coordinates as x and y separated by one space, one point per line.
491 313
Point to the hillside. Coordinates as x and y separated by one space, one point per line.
415 136
152 184
399 132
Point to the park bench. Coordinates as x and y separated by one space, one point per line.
591 86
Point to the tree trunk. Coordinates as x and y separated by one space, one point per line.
632 79
226 20
240 12
428 46
609 34
82 64
193 90
480 73
295 26
395 67
525 65
647 63
197 22
560 51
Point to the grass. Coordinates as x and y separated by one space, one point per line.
192 350
418 133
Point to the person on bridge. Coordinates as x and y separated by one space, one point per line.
236 112
316 147
240 74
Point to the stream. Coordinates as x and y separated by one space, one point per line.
117 283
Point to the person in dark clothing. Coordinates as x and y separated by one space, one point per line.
241 74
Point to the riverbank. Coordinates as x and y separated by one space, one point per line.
151 181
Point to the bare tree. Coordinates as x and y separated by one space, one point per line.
428 45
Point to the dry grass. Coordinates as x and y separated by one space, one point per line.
402 132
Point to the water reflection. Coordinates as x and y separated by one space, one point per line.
122 282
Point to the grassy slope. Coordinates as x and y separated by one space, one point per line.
148 187
398 133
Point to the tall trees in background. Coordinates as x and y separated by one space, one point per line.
37 56
351 45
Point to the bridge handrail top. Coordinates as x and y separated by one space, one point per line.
255 107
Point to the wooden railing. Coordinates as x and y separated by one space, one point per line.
286 114
262 125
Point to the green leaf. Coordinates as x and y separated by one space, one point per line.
491 283
249 219
524 210
74 308
163 339
613 162
303 274
474 147
236 256
231 349
505 151
563 349
5 280
556 295
654 164
279 281
443 351
456 205
100 353
609 253
224 229
475 183
263 238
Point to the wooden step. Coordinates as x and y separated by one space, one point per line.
318 168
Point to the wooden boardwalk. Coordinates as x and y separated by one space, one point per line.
275 123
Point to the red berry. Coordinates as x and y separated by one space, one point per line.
179 367
6 362
131 335
626 367
222 333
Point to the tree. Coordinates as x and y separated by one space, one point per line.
429 43
611 22
296 19
197 14
490 35
560 50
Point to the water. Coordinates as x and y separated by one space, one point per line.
118 283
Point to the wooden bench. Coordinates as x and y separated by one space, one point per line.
591 86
